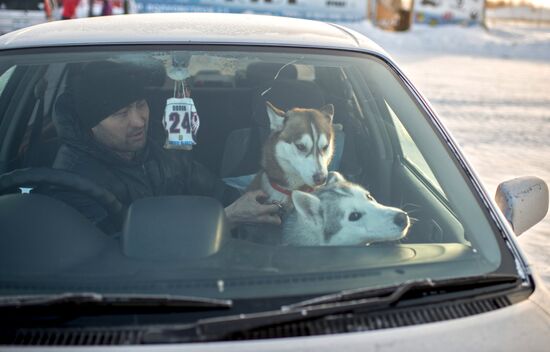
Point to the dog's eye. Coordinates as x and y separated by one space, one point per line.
325 148
369 197
301 147
354 216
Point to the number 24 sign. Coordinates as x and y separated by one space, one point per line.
181 121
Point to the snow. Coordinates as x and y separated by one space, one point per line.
492 90
522 13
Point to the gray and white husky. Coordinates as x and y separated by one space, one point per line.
297 153
341 213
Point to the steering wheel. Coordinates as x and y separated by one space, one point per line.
65 179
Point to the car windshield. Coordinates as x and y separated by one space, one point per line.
124 171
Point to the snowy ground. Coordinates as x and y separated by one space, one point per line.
536 14
492 89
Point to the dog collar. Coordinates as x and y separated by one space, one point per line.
288 192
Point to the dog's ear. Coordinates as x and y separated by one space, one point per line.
328 111
307 205
276 117
334 176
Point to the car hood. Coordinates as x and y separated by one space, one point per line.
521 326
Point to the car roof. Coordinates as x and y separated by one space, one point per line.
189 28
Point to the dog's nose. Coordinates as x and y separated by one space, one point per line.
401 220
319 179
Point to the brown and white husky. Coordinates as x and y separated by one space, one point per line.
297 153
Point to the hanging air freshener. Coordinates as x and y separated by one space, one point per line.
181 120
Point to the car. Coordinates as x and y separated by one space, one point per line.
17 14
171 271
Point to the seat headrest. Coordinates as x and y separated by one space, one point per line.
260 72
285 95
242 152
64 118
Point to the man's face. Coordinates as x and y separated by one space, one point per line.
124 131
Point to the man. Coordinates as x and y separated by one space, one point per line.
107 9
69 9
103 121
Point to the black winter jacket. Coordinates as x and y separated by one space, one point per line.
153 172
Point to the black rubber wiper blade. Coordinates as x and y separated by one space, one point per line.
368 292
112 300
219 328
367 299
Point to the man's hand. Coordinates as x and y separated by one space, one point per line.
249 209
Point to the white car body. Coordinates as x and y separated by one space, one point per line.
521 326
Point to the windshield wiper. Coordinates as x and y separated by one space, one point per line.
396 291
112 300
366 299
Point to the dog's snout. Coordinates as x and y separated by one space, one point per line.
401 220
319 179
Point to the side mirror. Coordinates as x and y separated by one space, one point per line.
523 201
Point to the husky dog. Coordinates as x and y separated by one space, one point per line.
341 213
297 153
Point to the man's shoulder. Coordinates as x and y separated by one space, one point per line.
85 164
79 161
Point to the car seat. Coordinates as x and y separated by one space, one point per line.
258 73
236 107
243 147
40 143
